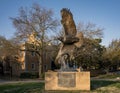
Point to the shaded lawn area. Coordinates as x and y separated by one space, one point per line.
101 83
109 76
21 87
97 86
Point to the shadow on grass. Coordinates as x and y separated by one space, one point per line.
102 83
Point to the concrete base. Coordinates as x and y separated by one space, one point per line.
67 81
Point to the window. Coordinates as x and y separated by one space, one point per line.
33 66
45 67
33 53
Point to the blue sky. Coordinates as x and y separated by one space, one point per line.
103 13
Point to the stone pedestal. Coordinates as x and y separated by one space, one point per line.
67 81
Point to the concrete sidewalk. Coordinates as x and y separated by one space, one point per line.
19 81
116 79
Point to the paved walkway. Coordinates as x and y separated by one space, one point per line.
38 80
19 81
116 79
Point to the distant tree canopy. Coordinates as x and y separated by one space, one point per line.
9 52
111 56
7 47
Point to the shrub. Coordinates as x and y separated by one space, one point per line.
94 73
29 75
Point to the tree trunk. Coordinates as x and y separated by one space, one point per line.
40 67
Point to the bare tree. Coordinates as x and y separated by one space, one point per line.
90 30
37 21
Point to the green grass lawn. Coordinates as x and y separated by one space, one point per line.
97 86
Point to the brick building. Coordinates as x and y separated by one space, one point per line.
30 60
